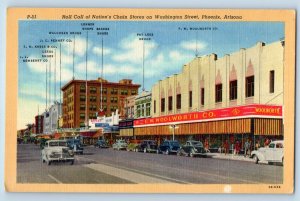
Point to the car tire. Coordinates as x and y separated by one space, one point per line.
72 163
48 162
255 158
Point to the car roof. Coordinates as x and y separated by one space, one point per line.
277 141
56 141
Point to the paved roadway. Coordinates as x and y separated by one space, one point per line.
99 166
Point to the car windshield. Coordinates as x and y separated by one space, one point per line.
197 143
121 141
57 143
152 142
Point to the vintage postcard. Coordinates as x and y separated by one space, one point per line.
150 100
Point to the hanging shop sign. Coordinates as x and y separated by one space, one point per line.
255 110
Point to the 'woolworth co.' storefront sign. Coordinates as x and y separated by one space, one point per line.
267 111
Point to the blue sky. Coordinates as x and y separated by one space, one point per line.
168 50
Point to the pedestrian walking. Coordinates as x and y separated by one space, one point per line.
226 147
237 148
246 147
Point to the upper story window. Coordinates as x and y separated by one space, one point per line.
114 91
202 96
272 81
190 99
82 88
218 93
162 105
233 90
133 92
154 106
250 86
178 101
93 90
170 103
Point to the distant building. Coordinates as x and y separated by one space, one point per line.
51 118
129 107
39 124
77 102
143 105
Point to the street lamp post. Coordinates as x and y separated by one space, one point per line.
174 126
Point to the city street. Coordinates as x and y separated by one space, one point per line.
100 166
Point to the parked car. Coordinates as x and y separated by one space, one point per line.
148 146
192 148
101 144
168 147
133 145
75 145
57 150
119 145
270 154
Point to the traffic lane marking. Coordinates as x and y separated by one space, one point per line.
55 179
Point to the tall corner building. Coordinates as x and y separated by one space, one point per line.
77 102
233 97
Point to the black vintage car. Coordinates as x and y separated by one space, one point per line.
148 146
101 144
168 147
75 146
192 148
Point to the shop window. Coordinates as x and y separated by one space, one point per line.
190 99
154 105
272 81
82 98
250 86
218 93
233 90
202 96
178 101
82 124
162 105
170 103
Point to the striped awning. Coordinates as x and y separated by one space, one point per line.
268 127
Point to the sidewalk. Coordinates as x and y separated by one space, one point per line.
229 157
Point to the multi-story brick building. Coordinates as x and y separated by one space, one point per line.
39 123
80 105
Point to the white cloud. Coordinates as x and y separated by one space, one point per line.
193 45
80 46
98 51
132 50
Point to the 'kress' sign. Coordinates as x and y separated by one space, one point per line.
267 111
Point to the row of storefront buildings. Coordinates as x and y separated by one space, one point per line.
236 97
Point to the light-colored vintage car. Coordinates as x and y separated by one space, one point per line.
57 150
120 145
272 153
